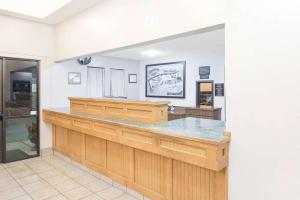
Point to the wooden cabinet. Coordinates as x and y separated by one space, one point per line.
95 152
75 145
60 139
205 113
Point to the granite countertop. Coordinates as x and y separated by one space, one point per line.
194 128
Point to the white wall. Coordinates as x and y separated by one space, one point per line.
61 90
193 61
262 75
117 23
263 95
25 39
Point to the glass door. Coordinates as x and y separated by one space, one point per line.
20 109
1 115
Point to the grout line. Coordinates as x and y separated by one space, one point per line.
18 184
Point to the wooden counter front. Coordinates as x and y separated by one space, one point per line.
140 111
163 167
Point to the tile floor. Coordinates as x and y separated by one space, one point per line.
55 177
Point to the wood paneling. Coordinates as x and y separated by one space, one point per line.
95 151
75 145
120 159
195 183
154 173
60 139
140 111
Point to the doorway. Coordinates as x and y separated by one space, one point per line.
19 108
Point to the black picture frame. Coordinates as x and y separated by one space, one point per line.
130 78
165 64
219 89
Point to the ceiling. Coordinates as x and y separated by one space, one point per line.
61 14
212 41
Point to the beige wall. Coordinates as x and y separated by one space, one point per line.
117 23
25 39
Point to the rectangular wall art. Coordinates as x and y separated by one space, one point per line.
166 80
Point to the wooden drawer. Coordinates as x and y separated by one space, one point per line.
104 131
82 124
63 121
136 138
78 106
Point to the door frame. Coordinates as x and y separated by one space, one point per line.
3 136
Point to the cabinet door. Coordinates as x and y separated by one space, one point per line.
120 160
95 152
60 139
75 145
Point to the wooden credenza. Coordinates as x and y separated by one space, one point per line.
205 113
160 166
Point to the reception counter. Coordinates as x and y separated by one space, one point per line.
184 159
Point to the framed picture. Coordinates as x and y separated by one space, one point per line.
219 89
204 72
74 78
132 78
166 80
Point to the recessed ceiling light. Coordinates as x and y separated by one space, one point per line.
34 8
152 53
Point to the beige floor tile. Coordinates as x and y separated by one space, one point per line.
6 180
134 194
92 197
29 179
85 179
97 186
74 173
31 160
77 193
57 179
147 198
3 171
110 193
12 193
22 174
119 186
9 185
23 197
17 168
42 167
66 186
36 186
12 164
53 178
126 197
50 173
43 193
58 197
